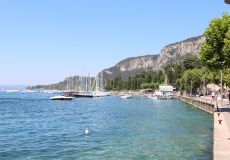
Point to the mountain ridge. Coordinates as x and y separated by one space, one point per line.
171 53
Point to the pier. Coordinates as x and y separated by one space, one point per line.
221 123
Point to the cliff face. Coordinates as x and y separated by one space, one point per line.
130 66
169 54
142 62
178 51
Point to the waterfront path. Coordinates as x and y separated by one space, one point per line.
221 126
221 135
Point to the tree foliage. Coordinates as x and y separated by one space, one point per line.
195 79
215 50
226 49
191 63
152 79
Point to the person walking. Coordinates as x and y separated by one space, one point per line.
229 96
213 96
216 97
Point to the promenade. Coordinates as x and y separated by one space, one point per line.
221 125
221 135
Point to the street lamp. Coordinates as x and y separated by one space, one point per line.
204 88
191 87
227 1
221 99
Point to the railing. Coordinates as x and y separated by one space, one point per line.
204 104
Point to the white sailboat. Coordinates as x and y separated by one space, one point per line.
98 85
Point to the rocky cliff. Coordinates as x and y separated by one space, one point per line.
169 54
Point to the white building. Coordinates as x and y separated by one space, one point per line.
165 89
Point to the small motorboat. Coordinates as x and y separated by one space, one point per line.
155 98
127 96
61 97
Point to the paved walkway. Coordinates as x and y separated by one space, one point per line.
221 135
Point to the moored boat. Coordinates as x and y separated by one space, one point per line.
12 90
61 97
127 96
28 91
152 96
83 94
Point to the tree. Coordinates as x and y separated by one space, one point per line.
191 63
192 76
226 49
128 87
108 86
149 85
215 50
226 78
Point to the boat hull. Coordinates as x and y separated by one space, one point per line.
61 98
127 97
83 95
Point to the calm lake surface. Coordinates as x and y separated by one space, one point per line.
34 127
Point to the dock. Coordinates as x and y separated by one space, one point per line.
221 123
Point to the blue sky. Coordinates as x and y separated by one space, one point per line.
44 41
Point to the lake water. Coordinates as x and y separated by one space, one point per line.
34 127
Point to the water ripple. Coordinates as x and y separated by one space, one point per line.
33 127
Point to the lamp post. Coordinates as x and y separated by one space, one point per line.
221 89
204 88
191 87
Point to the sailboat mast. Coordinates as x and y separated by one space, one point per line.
72 84
101 86
67 84
86 78
90 82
